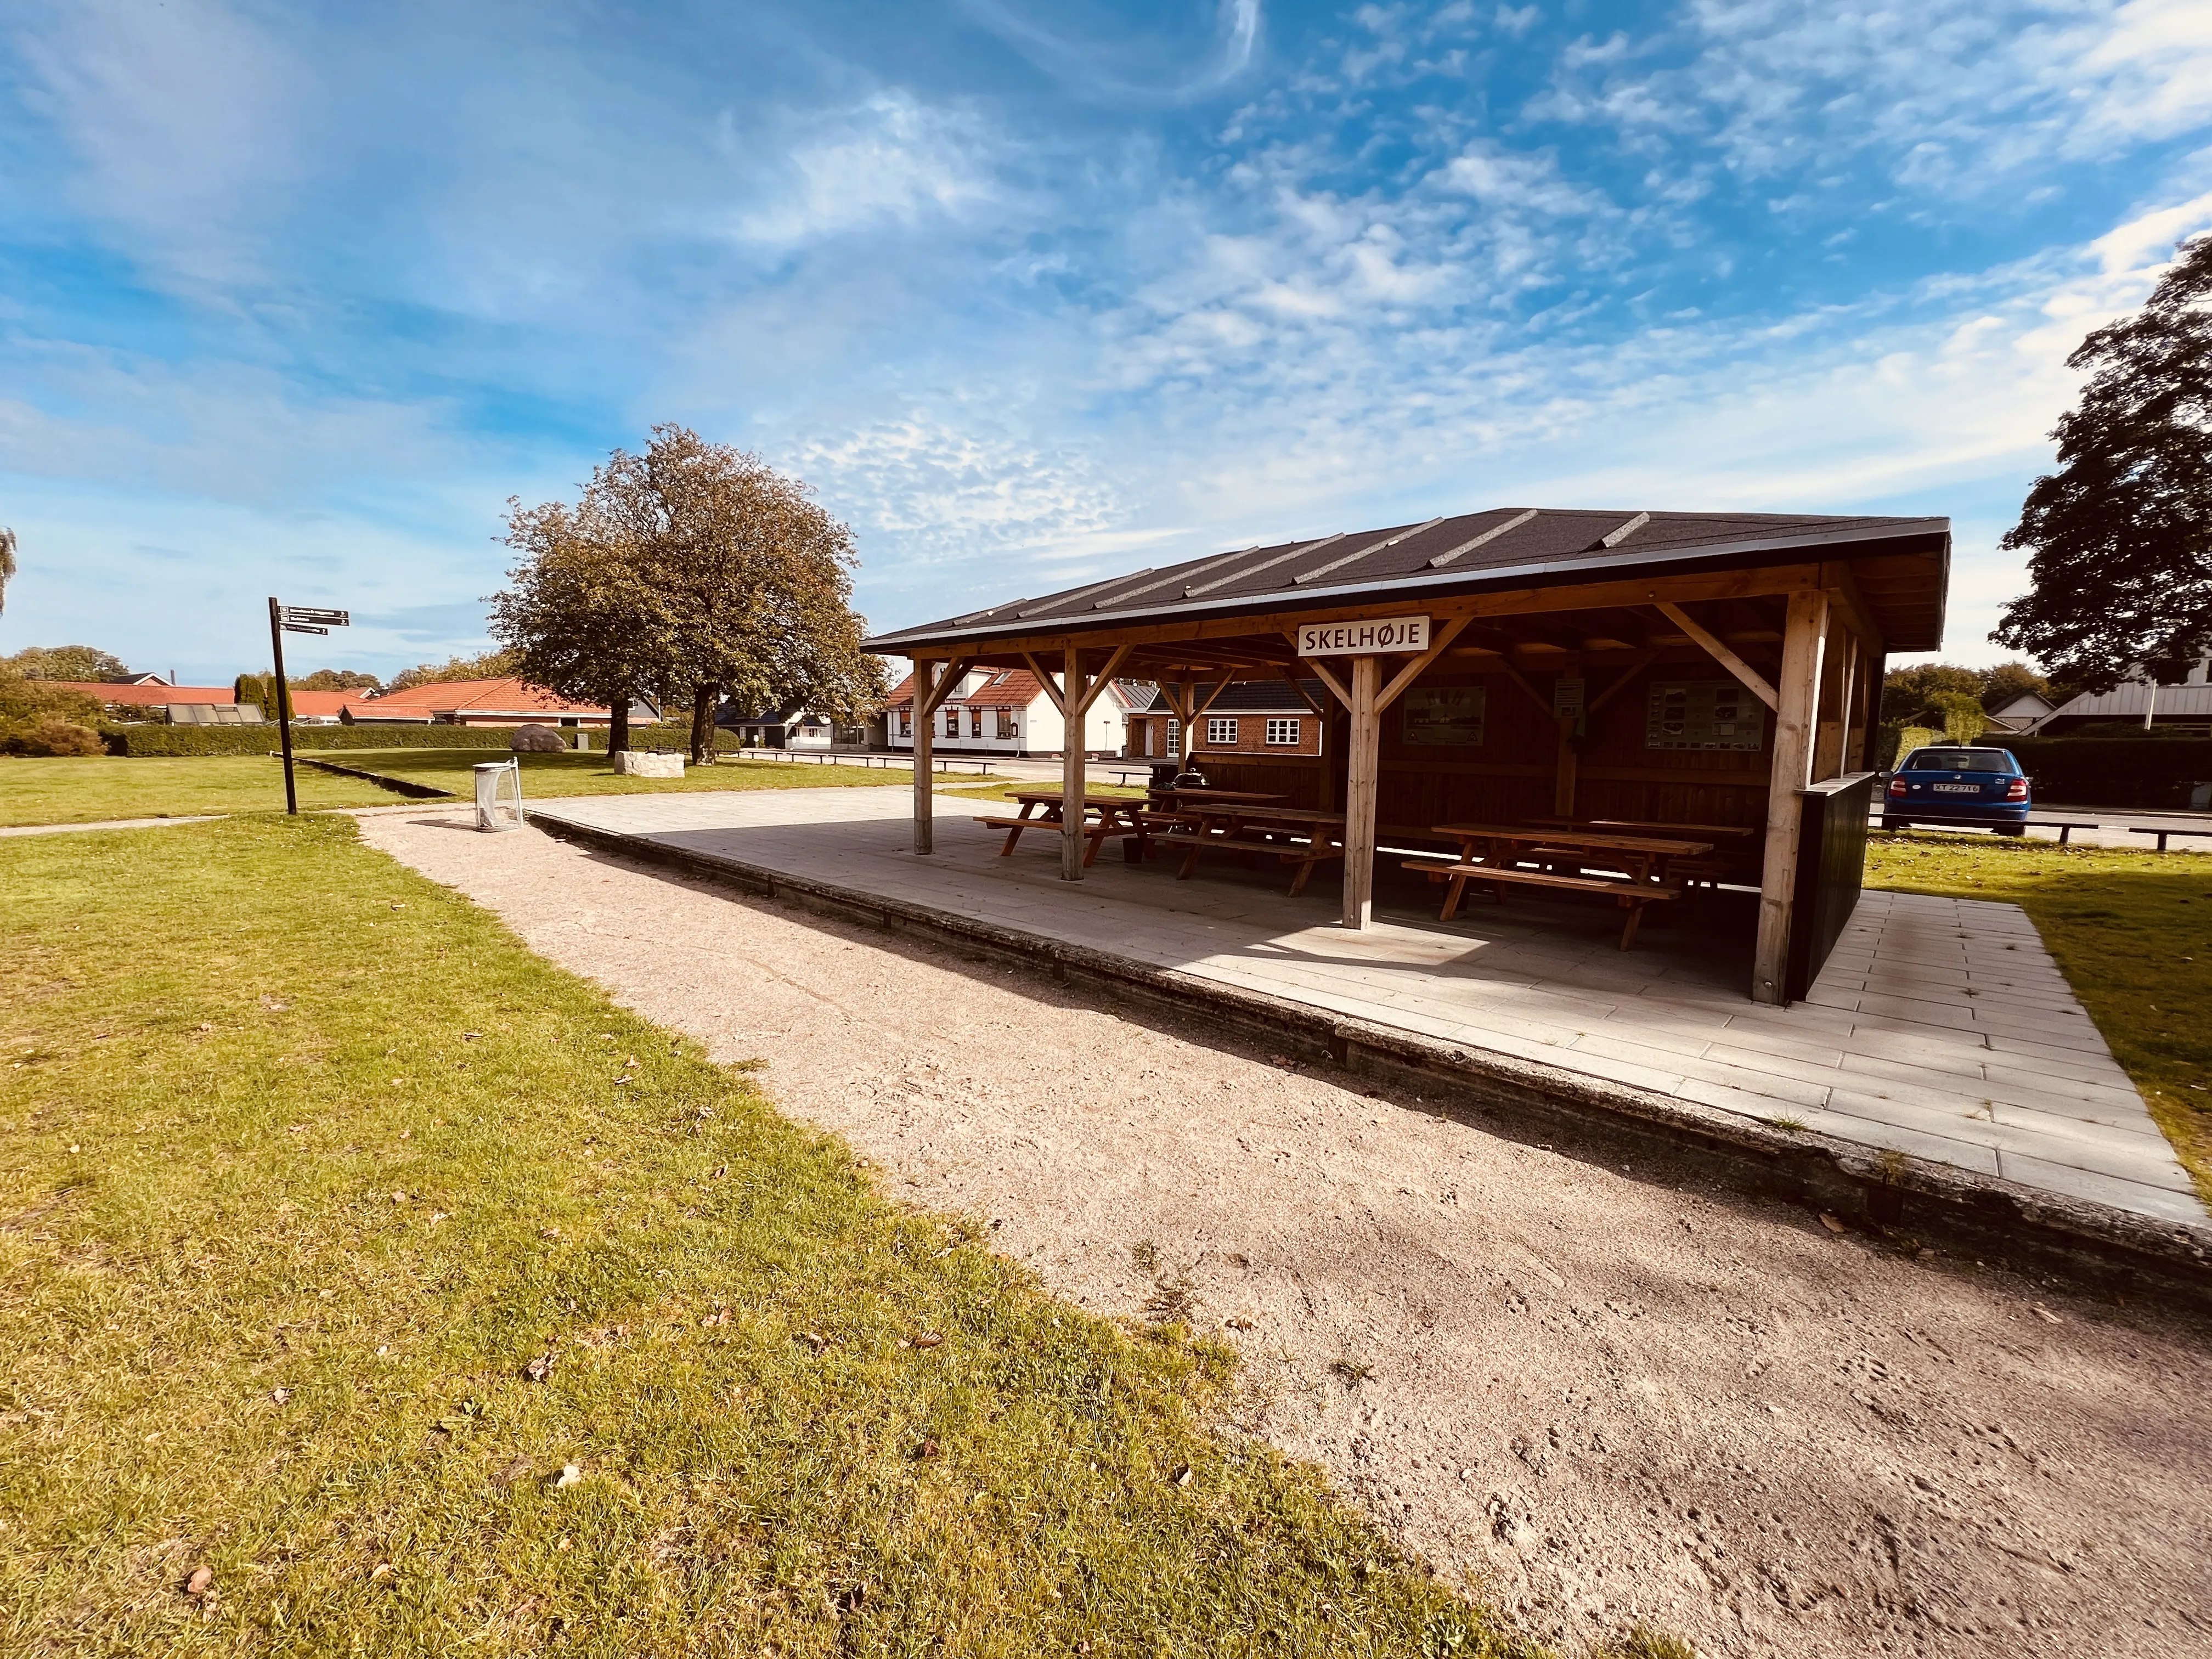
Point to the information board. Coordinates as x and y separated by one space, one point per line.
1448 716
1705 715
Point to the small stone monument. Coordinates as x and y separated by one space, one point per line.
644 764
536 740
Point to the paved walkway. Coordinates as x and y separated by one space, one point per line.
1941 1028
105 823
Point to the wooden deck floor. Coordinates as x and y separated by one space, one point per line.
1941 1028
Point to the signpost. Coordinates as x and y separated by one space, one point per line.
294 619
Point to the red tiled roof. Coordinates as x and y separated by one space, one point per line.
147 697
480 698
321 703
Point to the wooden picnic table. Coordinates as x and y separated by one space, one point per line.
1733 852
1250 796
1712 832
1252 827
1645 857
1117 814
1491 853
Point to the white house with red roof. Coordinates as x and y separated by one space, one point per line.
1004 711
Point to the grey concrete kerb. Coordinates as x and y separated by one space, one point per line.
1922 1206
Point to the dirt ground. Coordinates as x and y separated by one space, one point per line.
1599 1394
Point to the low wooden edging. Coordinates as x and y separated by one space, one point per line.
398 786
1924 1208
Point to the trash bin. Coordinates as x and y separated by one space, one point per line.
499 795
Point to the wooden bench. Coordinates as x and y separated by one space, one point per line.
1632 896
1096 833
1304 856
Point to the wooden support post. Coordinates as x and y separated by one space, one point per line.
1858 753
925 720
1797 698
1074 708
1835 691
1363 767
1563 776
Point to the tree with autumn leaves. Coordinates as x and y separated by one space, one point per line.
690 572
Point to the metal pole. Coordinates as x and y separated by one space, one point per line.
283 704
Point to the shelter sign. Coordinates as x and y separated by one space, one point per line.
1363 639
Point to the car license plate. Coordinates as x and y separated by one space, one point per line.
1956 788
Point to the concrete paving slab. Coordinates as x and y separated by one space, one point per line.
1888 1051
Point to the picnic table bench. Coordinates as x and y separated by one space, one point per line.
1251 828
1117 816
1734 851
1647 860
1491 853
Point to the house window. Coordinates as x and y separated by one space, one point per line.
1283 731
1221 732
906 722
1007 723
951 722
1175 738
974 722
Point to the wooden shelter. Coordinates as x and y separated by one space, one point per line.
1674 667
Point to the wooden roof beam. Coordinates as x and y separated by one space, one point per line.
1722 654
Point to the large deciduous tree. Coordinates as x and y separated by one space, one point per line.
65 662
692 571
2119 538
485 665
583 615
755 575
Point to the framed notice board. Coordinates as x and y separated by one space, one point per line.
1445 716
1705 715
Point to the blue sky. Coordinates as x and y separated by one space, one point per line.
293 298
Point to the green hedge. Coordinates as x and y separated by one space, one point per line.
157 739
2112 771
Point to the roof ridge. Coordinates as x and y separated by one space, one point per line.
1266 564
1489 535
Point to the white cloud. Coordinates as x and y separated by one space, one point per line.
1947 96
1501 178
1112 63
889 159
183 121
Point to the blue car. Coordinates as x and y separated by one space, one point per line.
1981 788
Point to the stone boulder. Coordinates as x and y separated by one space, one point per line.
644 764
536 740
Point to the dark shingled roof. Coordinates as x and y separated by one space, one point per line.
1503 547
1244 698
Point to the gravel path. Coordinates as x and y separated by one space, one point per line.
1598 1394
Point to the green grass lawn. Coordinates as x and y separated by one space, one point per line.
594 775
2131 930
86 789
89 789
304 1160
